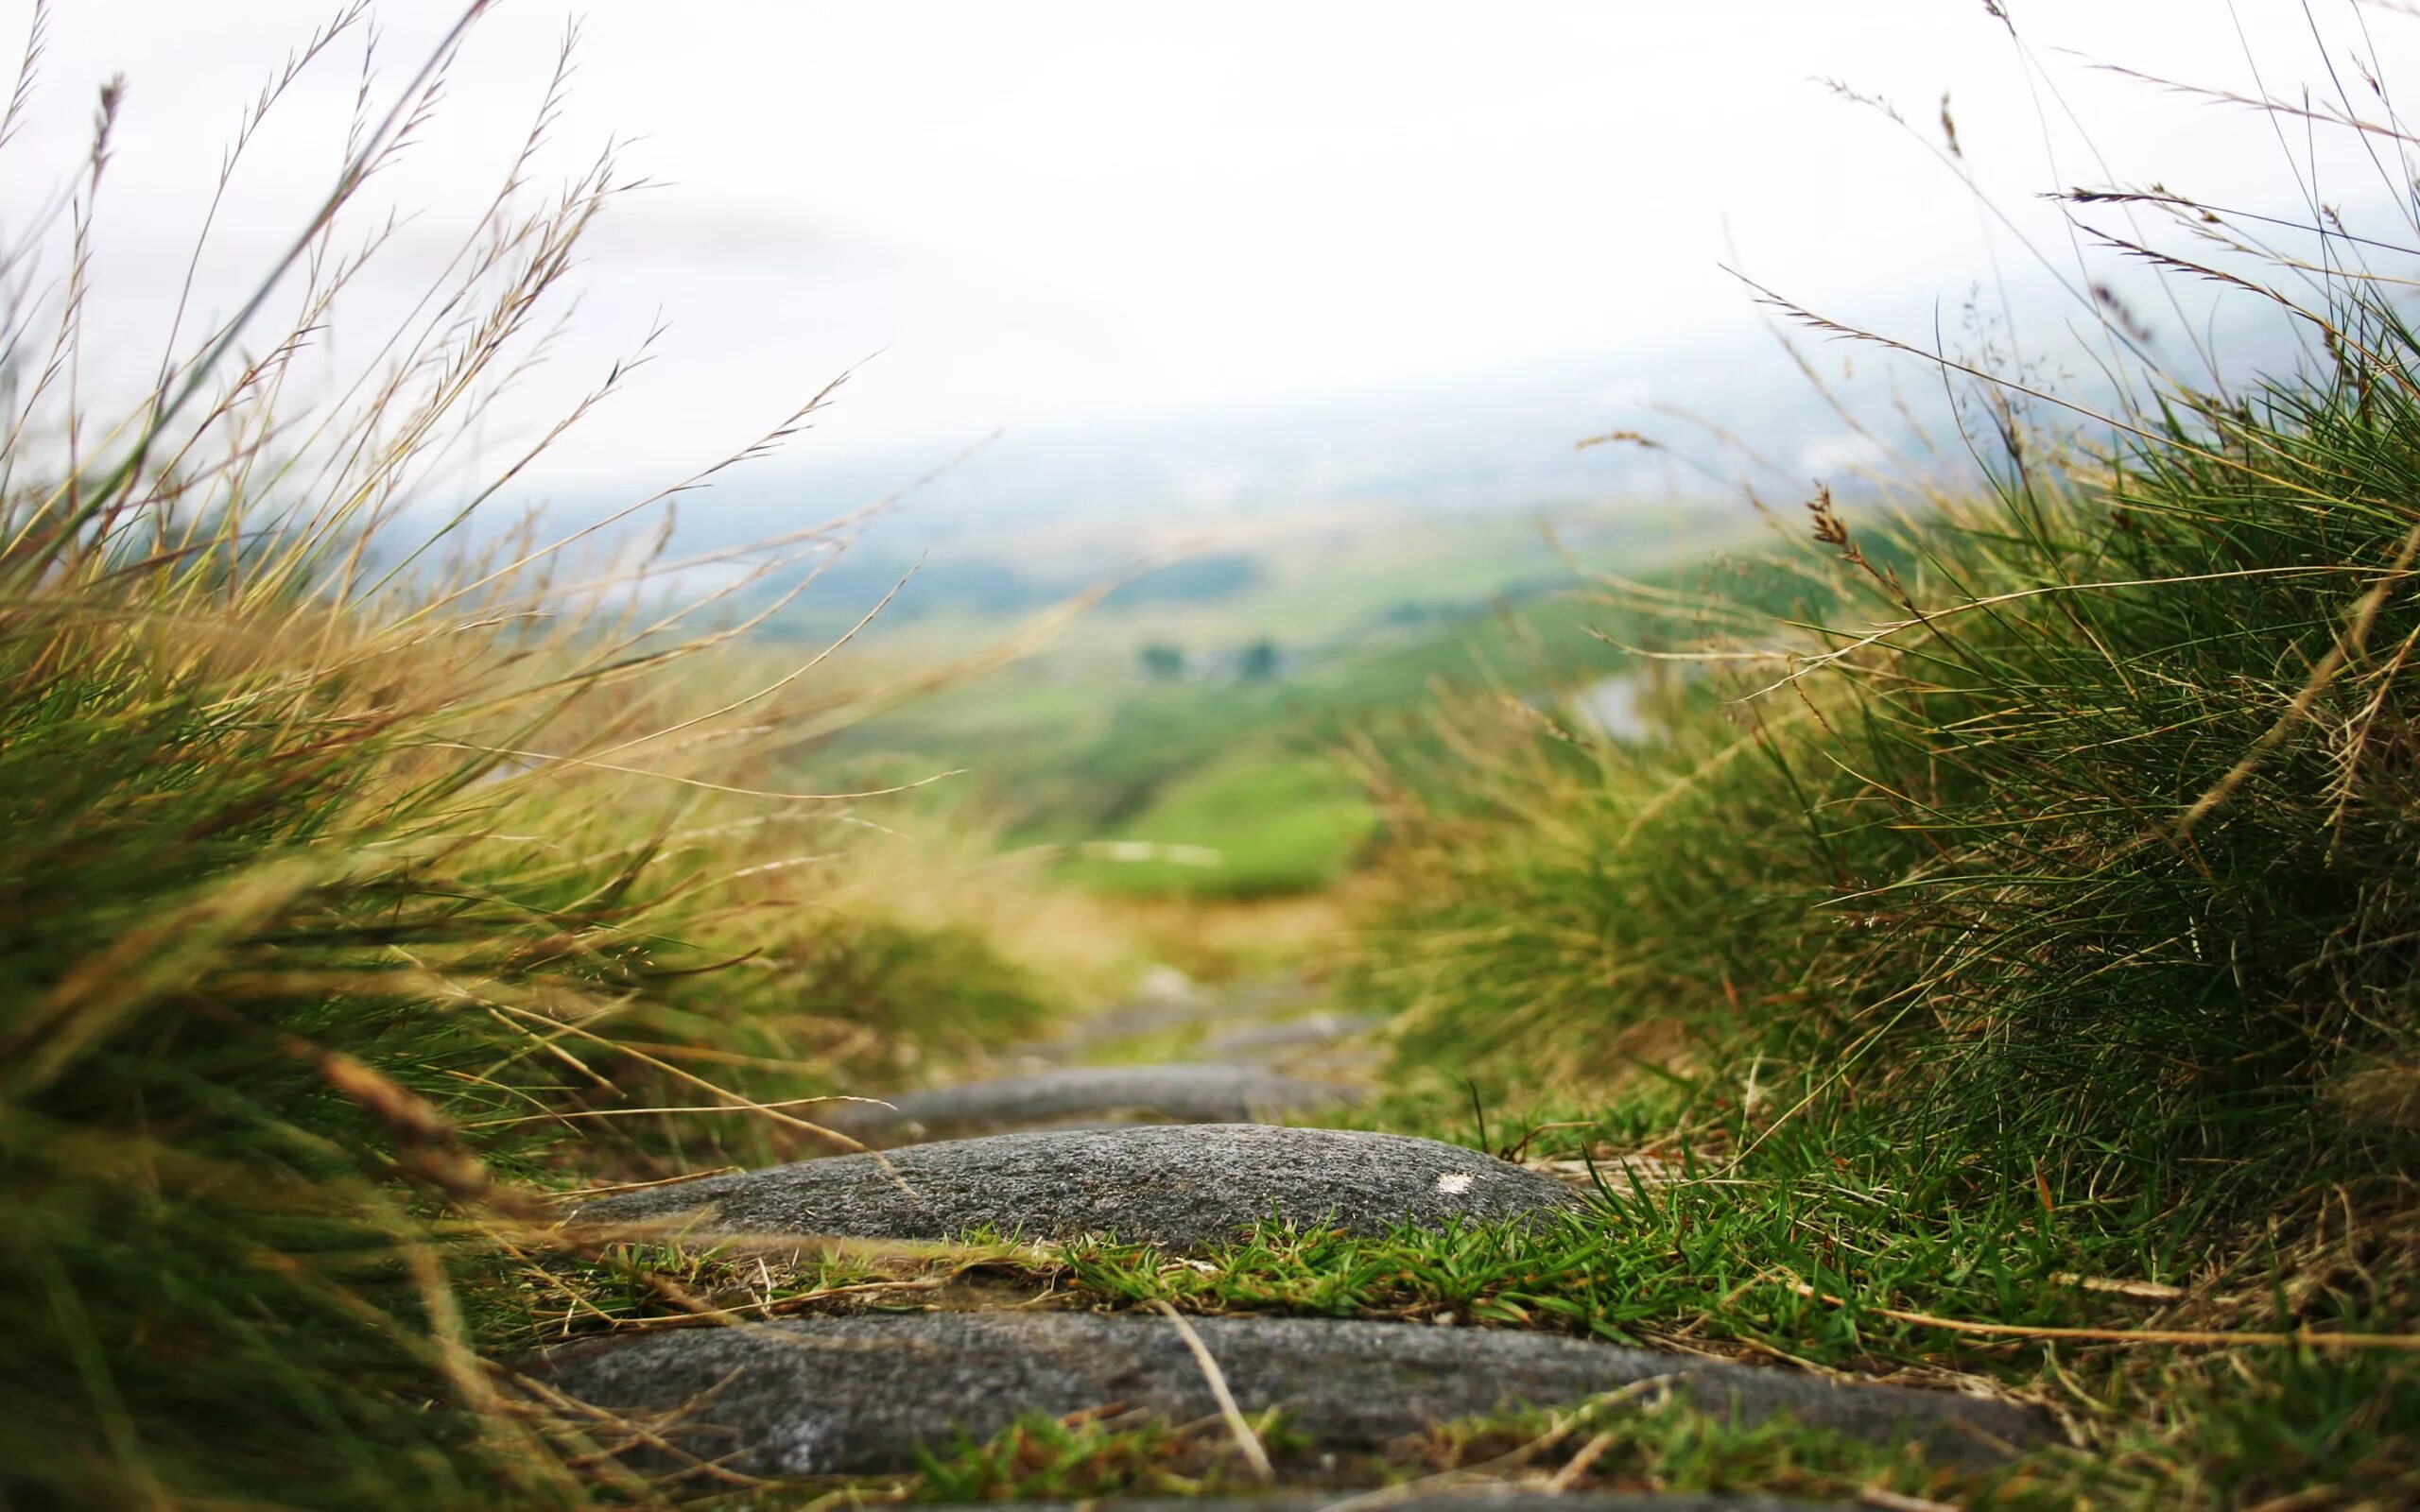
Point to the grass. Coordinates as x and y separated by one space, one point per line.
2029 840
1783 1258
1796 1256
1995 971
1059 1459
2090 772
352 884
2000 972
1073 749
1641 1444
2012 941
1252 824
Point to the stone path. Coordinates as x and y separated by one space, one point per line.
1215 1093
1185 1188
835 1395
859 1394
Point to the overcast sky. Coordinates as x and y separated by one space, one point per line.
1050 215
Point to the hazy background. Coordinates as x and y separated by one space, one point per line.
1321 294
1439 239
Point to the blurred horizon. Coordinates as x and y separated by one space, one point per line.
1080 225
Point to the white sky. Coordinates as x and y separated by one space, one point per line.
1050 213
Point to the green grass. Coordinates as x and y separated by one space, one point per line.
1265 822
1074 745
1645 1444
1998 970
2015 937
1799 1244
1715 1233
2034 840
1048 1458
1716 1255
2008 977
352 887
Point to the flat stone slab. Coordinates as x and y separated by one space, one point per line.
859 1395
1184 1186
1088 1094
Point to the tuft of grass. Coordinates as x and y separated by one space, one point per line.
357 880
2092 777
2012 938
1088 1456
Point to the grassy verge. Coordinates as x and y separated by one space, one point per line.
2014 950
352 884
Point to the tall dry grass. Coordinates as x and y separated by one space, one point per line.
358 867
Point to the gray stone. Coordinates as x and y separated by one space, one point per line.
859 1395
1087 1094
1185 1187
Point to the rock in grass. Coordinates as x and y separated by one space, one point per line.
854 1395
1090 1094
1185 1187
